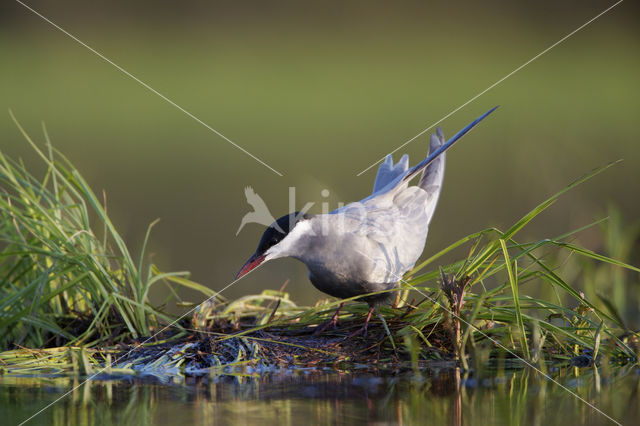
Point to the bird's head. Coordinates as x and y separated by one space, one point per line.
269 245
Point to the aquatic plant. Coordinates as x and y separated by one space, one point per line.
67 278
66 275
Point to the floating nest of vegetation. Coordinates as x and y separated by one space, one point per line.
74 299
287 341
251 336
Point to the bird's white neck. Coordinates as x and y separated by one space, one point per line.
295 241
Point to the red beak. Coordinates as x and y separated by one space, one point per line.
252 263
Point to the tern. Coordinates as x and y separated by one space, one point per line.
367 246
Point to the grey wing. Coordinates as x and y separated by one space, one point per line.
395 218
412 205
432 176
398 221
394 230
388 172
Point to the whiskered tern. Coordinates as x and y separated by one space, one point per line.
366 246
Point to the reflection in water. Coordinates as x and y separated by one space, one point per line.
441 396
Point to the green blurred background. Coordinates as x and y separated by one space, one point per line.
319 92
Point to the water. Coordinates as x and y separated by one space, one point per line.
439 396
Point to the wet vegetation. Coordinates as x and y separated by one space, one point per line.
74 299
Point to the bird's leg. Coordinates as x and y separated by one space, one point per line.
366 321
363 330
333 322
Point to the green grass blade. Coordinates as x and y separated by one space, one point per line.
516 298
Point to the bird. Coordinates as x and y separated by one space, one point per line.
366 246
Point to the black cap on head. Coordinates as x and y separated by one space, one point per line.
278 230
272 236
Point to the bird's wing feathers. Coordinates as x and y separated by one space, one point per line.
395 218
389 231
442 148
433 173
398 212
393 222
393 202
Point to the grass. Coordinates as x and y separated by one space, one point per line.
65 279
68 279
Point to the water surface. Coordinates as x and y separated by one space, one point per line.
438 396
